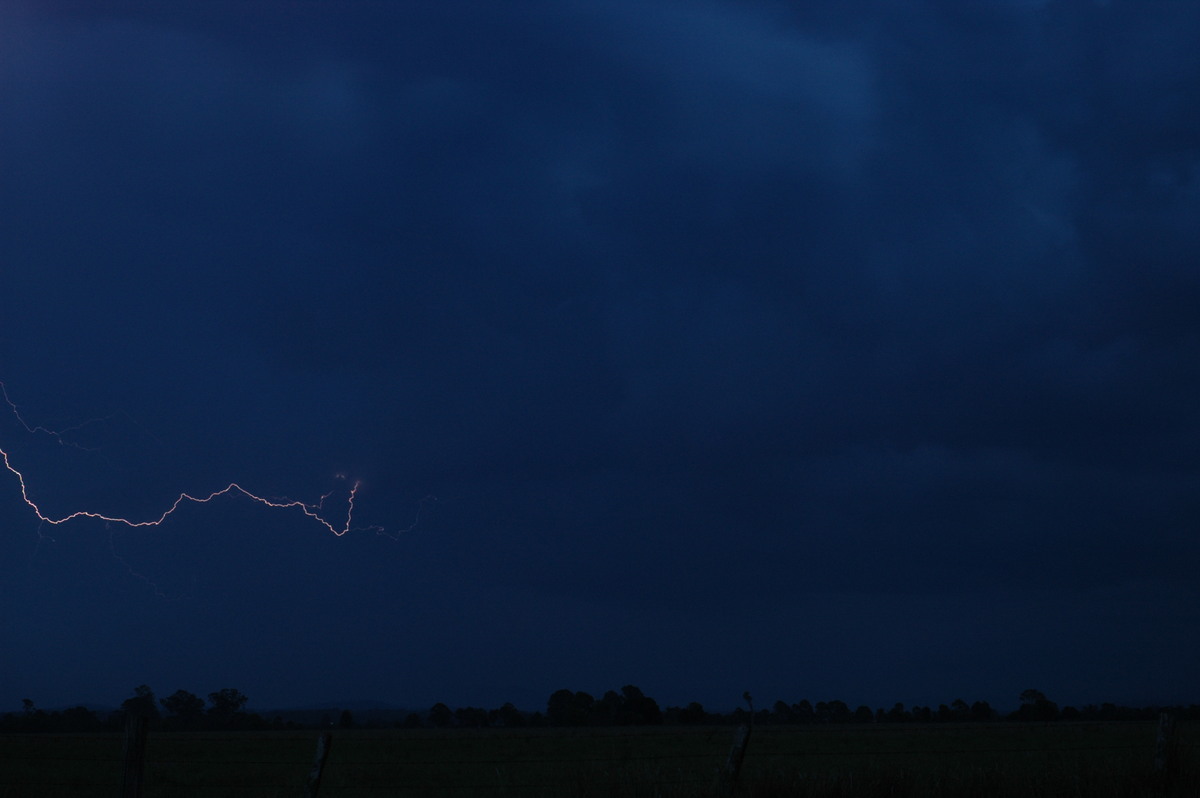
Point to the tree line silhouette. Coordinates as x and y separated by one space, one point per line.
225 710
181 711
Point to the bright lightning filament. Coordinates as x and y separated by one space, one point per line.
312 511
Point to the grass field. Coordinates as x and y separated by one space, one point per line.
1003 759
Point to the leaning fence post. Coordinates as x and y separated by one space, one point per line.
314 777
135 755
1164 748
741 738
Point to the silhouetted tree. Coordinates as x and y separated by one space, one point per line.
142 703
440 715
183 708
803 712
346 719
864 714
982 710
558 707
509 716
639 709
1035 706
693 714
225 706
79 719
565 708
608 708
471 717
583 705
838 712
31 718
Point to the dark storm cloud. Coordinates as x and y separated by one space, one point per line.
850 303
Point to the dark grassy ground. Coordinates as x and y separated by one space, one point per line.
1003 759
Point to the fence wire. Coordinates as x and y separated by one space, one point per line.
450 763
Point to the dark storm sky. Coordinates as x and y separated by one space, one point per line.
824 350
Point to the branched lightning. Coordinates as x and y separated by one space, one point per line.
311 510
314 511
57 435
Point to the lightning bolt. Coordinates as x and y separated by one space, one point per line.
57 435
314 511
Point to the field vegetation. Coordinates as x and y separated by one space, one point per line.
621 744
971 759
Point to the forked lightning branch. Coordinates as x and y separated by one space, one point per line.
316 511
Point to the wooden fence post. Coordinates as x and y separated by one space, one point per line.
314 777
741 738
1164 748
135 755
733 765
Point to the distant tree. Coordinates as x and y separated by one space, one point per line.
30 719
1070 713
440 715
183 708
803 712
693 714
565 708
639 709
982 710
509 716
412 721
79 719
225 706
142 703
559 706
838 712
583 707
897 714
1036 707
1030 697
864 714
959 710
471 717
346 719
922 714
605 710
944 714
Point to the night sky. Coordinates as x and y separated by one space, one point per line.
823 350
